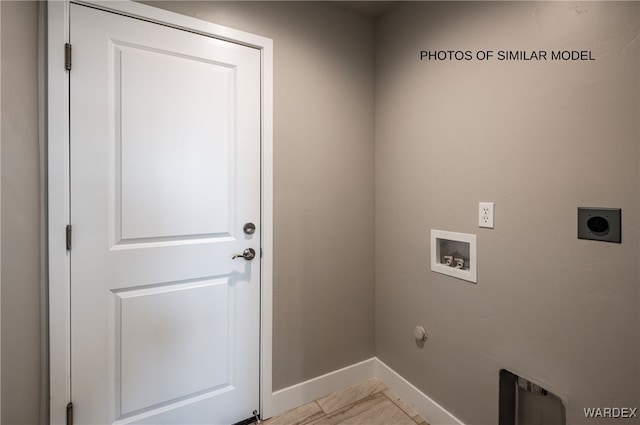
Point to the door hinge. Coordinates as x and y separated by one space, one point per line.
68 237
70 413
67 56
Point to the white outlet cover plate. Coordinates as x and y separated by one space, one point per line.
485 215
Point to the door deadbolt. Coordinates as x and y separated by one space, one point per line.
249 228
248 254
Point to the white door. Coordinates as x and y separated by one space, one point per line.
165 172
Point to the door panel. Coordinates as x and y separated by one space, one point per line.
193 342
175 144
165 170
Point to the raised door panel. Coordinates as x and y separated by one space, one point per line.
173 343
175 145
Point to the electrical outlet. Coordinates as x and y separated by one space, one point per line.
485 215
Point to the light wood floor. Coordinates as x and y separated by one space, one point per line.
368 403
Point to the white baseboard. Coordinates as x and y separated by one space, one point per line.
313 389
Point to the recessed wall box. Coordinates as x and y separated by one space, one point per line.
454 254
600 224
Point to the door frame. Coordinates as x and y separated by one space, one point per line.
59 197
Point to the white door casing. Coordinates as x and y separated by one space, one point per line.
157 203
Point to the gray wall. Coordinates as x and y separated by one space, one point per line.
538 139
20 168
323 148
